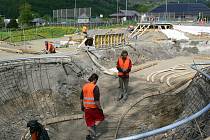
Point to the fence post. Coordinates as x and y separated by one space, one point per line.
10 34
21 36
36 36
52 33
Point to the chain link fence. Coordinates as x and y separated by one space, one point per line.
65 15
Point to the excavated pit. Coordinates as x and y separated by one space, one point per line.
45 88
39 89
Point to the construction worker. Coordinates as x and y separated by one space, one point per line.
124 66
90 104
46 46
37 131
51 48
84 30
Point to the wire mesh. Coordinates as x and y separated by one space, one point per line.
71 13
38 88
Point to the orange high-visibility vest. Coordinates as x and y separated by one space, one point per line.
51 48
84 29
123 65
88 95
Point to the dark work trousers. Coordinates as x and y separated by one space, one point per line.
123 82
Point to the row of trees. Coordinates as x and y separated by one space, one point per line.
12 24
26 15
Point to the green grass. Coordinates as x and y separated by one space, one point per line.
35 33
46 32
124 25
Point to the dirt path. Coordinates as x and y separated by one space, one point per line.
138 86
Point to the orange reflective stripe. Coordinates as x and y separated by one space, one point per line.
88 95
86 98
89 103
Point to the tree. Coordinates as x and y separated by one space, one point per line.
35 15
143 8
26 15
2 24
12 24
47 18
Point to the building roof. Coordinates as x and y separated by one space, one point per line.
193 8
119 14
122 13
38 20
130 12
83 16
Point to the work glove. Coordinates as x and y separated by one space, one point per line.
120 70
127 70
82 108
123 70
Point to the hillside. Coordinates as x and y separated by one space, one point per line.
45 7
9 8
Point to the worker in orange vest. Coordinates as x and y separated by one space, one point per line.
46 46
90 104
124 66
37 131
84 30
51 48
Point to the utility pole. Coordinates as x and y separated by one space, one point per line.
166 9
126 8
75 8
117 11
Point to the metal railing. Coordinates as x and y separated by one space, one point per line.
183 122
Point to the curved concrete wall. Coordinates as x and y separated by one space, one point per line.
39 89
45 88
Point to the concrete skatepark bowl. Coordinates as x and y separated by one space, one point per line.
47 88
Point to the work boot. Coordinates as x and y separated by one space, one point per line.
120 97
125 96
88 137
94 128
92 131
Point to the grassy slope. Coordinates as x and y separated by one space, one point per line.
36 33
47 32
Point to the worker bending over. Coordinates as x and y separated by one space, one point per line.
49 48
37 131
124 66
90 104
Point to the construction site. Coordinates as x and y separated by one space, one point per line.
168 93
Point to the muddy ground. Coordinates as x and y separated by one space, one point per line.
66 85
